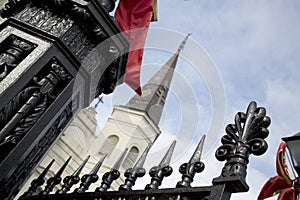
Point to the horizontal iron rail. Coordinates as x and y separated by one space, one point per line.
193 193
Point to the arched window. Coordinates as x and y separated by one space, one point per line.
131 157
109 145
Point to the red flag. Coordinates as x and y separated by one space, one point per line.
133 17
282 183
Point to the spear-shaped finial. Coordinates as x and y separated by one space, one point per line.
188 170
37 182
162 170
167 158
112 175
142 159
198 152
69 181
55 180
117 165
181 47
90 178
137 171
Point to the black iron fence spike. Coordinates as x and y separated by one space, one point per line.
69 181
38 181
98 165
196 157
236 147
88 179
112 175
61 170
81 166
55 180
142 159
167 158
137 171
117 165
158 173
189 170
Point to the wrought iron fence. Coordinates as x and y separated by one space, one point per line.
244 137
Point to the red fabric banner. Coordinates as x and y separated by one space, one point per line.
133 17
282 183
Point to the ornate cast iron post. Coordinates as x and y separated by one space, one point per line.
244 137
56 56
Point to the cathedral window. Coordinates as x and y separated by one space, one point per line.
131 158
109 145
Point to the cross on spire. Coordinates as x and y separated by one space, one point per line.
161 93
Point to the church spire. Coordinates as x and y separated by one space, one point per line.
156 90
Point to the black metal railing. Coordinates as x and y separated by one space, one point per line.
244 137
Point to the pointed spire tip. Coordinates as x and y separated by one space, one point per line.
181 47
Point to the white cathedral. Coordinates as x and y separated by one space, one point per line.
133 126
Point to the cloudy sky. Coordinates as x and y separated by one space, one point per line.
239 51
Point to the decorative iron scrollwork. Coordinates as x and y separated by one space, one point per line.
243 138
12 7
22 112
8 186
13 51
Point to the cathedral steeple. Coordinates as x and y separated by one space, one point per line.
154 93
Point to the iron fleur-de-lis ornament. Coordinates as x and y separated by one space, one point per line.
246 136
